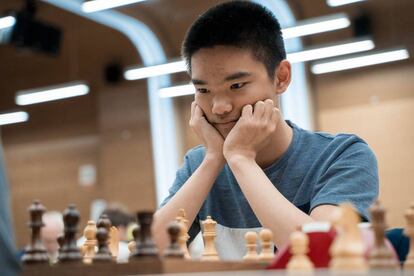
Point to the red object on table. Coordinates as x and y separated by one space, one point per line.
319 244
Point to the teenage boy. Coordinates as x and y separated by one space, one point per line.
255 169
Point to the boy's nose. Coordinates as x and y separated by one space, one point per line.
221 106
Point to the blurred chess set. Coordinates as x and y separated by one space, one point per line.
341 246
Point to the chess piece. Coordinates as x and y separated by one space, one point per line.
35 252
146 246
347 250
409 231
174 249
70 252
266 237
114 242
88 247
209 235
299 247
105 222
103 254
183 237
381 256
132 245
61 241
251 254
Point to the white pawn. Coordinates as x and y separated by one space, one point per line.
299 247
266 237
348 248
209 235
251 254
113 243
88 248
183 237
132 247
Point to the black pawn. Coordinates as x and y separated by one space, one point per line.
105 222
136 233
35 252
70 252
174 249
146 246
61 241
103 254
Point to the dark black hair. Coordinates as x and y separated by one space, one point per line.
239 24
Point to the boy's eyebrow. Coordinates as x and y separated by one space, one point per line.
237 75
196 81
234 76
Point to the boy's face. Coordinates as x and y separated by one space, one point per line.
226 79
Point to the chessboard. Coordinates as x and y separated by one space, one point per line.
143 266
178 267
344 246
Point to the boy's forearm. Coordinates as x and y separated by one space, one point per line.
272 209
190 197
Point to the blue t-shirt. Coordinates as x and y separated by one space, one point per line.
317 169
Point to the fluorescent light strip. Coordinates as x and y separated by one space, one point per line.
336 3
13 117
51 93
7 22
152 71
324 52
182 90
331 51
175 91
317 25
99 5
360 61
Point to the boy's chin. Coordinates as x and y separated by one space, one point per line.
224 133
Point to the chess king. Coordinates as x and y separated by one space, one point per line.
255 169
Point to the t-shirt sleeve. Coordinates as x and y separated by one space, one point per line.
351 177
183 173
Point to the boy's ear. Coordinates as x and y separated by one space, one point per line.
282 76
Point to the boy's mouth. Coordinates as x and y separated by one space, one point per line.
226 124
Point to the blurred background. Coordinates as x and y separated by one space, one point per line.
86 118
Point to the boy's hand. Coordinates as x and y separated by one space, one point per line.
211 138
252 130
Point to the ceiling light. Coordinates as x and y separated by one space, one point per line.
312 54
175 91
317 25
13 117
7 22
360 61
156 70
336 3
99 5
51 93
331 51
306 27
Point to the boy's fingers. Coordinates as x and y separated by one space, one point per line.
258 109
268 109
198 112
193 105
247 110
275 114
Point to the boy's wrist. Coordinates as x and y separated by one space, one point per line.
237 158
214 157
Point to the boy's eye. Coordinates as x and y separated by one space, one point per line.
237 85
202 90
